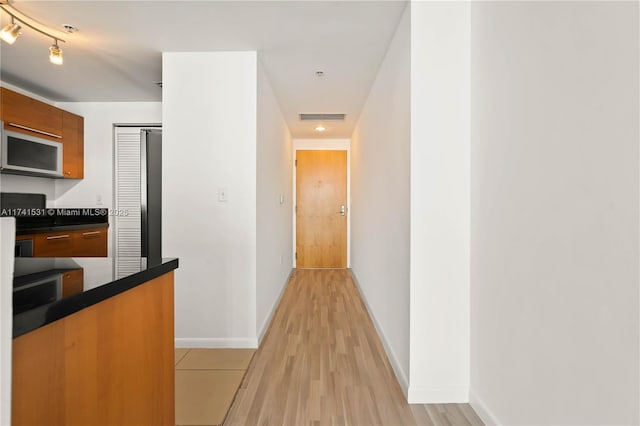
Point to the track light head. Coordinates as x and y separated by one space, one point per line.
55 54
10 32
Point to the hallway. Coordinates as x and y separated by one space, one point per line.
322 362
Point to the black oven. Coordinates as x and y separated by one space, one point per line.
35 290
24 248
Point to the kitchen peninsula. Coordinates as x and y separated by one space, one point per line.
95 350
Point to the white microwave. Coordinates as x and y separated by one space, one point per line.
29 155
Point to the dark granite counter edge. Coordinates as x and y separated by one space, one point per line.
35 318
57 228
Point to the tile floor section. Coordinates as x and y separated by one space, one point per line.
206 383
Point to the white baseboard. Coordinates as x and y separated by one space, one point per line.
233 342
230 342
438 394
267 321
481 409
395 364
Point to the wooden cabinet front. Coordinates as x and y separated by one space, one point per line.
72 282
109 364
72 146
27 115
80 243
53 244
90 243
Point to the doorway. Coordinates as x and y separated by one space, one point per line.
132 221
321 212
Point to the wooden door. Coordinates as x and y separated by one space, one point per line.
321 200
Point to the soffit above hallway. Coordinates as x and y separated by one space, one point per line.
117 54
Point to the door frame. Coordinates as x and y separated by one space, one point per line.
322 145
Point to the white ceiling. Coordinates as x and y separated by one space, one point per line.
117 54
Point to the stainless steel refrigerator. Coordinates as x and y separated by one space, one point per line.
151 195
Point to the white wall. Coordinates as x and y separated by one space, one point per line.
274 219
380 201
439 319
29 185
555 212
209 142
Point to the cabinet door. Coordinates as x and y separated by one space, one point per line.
72 146
72 282
90 243
24 114
54 244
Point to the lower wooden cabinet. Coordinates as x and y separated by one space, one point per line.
81 243
90 243
53 244
109 364
72 282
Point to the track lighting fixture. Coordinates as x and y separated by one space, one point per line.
55 53
11 31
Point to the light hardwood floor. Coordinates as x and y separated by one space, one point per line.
322 363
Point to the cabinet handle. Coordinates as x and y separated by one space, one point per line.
19 126
91 233
55 237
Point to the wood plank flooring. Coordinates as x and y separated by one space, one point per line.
322 363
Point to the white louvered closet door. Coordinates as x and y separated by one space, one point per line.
127 241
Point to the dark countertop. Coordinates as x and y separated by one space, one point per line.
37 286
44 229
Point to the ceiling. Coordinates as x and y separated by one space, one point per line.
117 54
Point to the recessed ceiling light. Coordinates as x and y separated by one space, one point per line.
319 73
70 28
320 129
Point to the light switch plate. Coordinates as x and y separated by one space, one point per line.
222 194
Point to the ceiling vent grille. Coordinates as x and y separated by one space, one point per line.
322 117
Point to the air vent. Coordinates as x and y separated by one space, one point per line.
322 117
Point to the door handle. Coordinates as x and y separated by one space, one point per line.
342 210
31 129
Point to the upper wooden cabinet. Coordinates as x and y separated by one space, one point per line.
23 114
72 145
